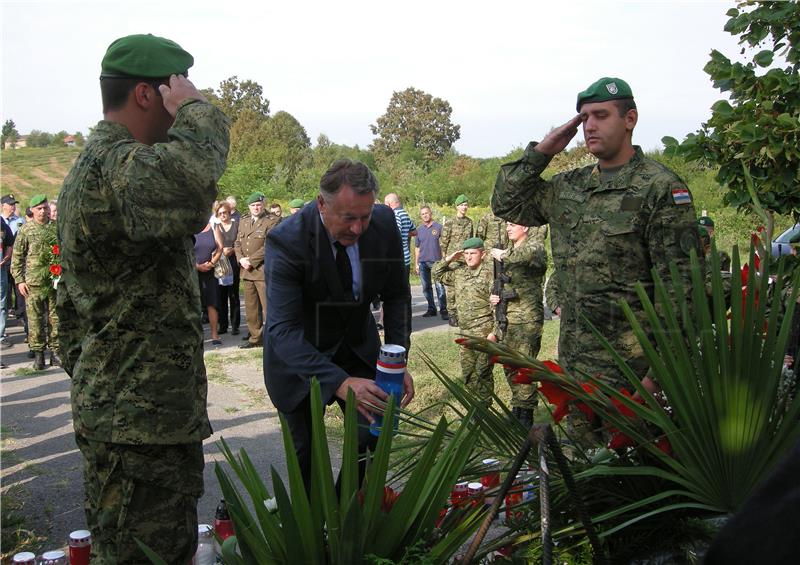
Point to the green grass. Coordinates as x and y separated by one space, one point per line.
28 371
33 170
14 535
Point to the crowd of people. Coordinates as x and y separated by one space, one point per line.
126 324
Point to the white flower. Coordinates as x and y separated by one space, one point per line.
271 504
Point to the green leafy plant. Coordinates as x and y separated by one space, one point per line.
755 131
347 525
727 424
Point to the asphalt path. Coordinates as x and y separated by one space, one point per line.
42 466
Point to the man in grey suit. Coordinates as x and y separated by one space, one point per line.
323 267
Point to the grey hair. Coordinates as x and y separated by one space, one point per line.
354 174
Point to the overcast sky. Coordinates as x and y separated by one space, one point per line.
510 70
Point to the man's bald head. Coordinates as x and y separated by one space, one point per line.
392 200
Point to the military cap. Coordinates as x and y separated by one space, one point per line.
473 243
705 221
607 88
460 199
146 56
296 203
255 197
38 199
9 199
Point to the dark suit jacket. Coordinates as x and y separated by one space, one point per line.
308 319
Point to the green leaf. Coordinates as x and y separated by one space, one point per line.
764 58
722 108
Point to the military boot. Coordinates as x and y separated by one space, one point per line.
55 360
525 416
38 362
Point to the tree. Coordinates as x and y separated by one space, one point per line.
80 141
754 136
415 121
10 134
234 98
38 138
58 139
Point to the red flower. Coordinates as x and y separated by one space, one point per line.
619 440
56 250
558 396
55 270
621 407
389 498
554 367
663 444
461 340
523 376
494 359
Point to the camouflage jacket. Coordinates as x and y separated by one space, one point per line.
526 265
455 231
492 230
129 301
606 236
473 287
32 247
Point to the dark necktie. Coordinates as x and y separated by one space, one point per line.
345 270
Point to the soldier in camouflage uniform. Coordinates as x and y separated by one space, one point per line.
454 233
492 230
525 262
30 270
472 278
129 300
611 223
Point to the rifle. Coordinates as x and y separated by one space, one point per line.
501 278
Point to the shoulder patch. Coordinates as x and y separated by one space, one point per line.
681 195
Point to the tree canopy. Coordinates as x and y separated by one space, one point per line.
415 121
10 133
234 98
754 134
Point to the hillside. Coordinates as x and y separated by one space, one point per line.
33 170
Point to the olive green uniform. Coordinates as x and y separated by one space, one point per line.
30 265
455 232
492 230
131 335
250 243
608 232
472 290
526 266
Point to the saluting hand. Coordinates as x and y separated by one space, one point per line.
558 139
180 88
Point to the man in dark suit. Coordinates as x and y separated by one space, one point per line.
323 268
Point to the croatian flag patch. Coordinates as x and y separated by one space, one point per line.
681 196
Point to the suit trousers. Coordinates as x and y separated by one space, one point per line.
299 421
255 300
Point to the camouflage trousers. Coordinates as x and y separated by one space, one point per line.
476 370
527 339
42 319
450 294
144 492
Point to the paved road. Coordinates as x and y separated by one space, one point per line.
41 462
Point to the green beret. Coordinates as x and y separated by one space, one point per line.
255 197
145 56
38 199
296 203
473 243
705 221
460 199
607 88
